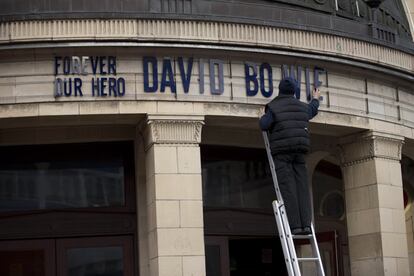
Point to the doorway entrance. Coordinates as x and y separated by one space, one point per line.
243 256
241 233
103 256
239 223
68 210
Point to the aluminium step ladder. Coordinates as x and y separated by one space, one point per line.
286 237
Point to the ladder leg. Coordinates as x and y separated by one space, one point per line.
283 238
286 238
316 253
272 168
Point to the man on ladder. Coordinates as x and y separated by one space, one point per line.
287 120
285 132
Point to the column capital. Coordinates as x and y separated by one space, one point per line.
173 129
361 147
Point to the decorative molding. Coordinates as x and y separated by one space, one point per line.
161 129
360 148
205 32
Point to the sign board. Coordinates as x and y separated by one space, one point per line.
169 75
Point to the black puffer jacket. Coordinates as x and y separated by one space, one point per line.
289 131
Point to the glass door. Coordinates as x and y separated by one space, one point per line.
92 256
109 256
217 256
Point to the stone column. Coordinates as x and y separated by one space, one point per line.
374 204
174 195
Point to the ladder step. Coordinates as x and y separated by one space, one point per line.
308 259
302 237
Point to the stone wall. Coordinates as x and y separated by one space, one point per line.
27 79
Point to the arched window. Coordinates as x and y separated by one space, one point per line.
328 192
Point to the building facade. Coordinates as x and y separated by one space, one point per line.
130 142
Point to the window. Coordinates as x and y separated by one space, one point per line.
236 178
62 176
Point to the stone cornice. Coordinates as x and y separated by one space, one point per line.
165 129
369 145
204 32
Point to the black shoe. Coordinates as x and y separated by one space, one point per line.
297 231
306 230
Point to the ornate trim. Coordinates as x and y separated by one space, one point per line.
202 31
369 145
173 130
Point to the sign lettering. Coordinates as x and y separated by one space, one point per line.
167 74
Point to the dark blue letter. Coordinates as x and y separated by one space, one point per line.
95 86
153 62
112 65
67 87
265 93
94 64
102 86
102 65
57 64
112 86
78 87
66 65
167 71
308 86
213 89
121 87
249 78
185 78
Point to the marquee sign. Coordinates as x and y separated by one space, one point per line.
164 75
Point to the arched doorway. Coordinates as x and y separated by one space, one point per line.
330 215
239 225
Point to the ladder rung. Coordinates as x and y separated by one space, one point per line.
308 259
302 237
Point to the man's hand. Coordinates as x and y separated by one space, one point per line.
262 111
316 93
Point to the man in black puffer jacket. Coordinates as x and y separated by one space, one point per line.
287 121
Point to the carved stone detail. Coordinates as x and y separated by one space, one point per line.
369 145
173 130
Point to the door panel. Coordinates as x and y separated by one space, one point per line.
107 256
97 256
217 256
28 257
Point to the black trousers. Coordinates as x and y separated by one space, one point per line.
293 183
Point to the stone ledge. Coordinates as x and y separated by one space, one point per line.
202 31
